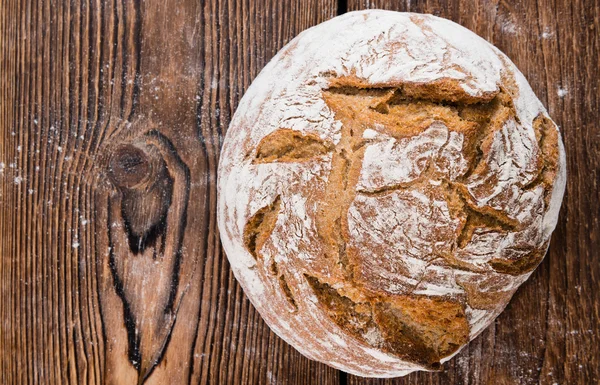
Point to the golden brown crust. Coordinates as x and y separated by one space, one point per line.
420 329
287 145
259 228
417 328
440 90
547 136
525 262
382 199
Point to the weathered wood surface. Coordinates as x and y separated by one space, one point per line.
112 115
111 118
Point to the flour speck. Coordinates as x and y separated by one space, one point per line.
547 34
562 92
509 27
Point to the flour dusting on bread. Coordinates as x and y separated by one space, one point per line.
386 184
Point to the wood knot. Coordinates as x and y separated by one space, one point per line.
146 223
140 173
129 166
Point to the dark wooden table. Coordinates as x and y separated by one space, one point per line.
112 113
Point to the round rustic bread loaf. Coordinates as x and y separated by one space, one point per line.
386 184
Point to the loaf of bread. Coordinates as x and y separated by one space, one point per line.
386 184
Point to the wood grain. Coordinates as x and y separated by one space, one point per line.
112 117
112 114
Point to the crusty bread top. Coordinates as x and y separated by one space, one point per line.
386 184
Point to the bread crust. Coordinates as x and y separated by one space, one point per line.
386 184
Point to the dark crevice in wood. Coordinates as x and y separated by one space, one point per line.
139 242
343 378
94 222
182 220
147 190
205 230
132 336
342 7
126 58
146 209
131 57
137 35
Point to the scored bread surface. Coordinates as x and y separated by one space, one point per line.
386 184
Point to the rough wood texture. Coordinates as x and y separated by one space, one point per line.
112 115
111 118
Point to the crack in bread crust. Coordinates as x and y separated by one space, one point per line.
260 226
430 165
398 116
418 328
547 137
285 145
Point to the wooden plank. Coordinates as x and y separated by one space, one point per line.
550 331
112 114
